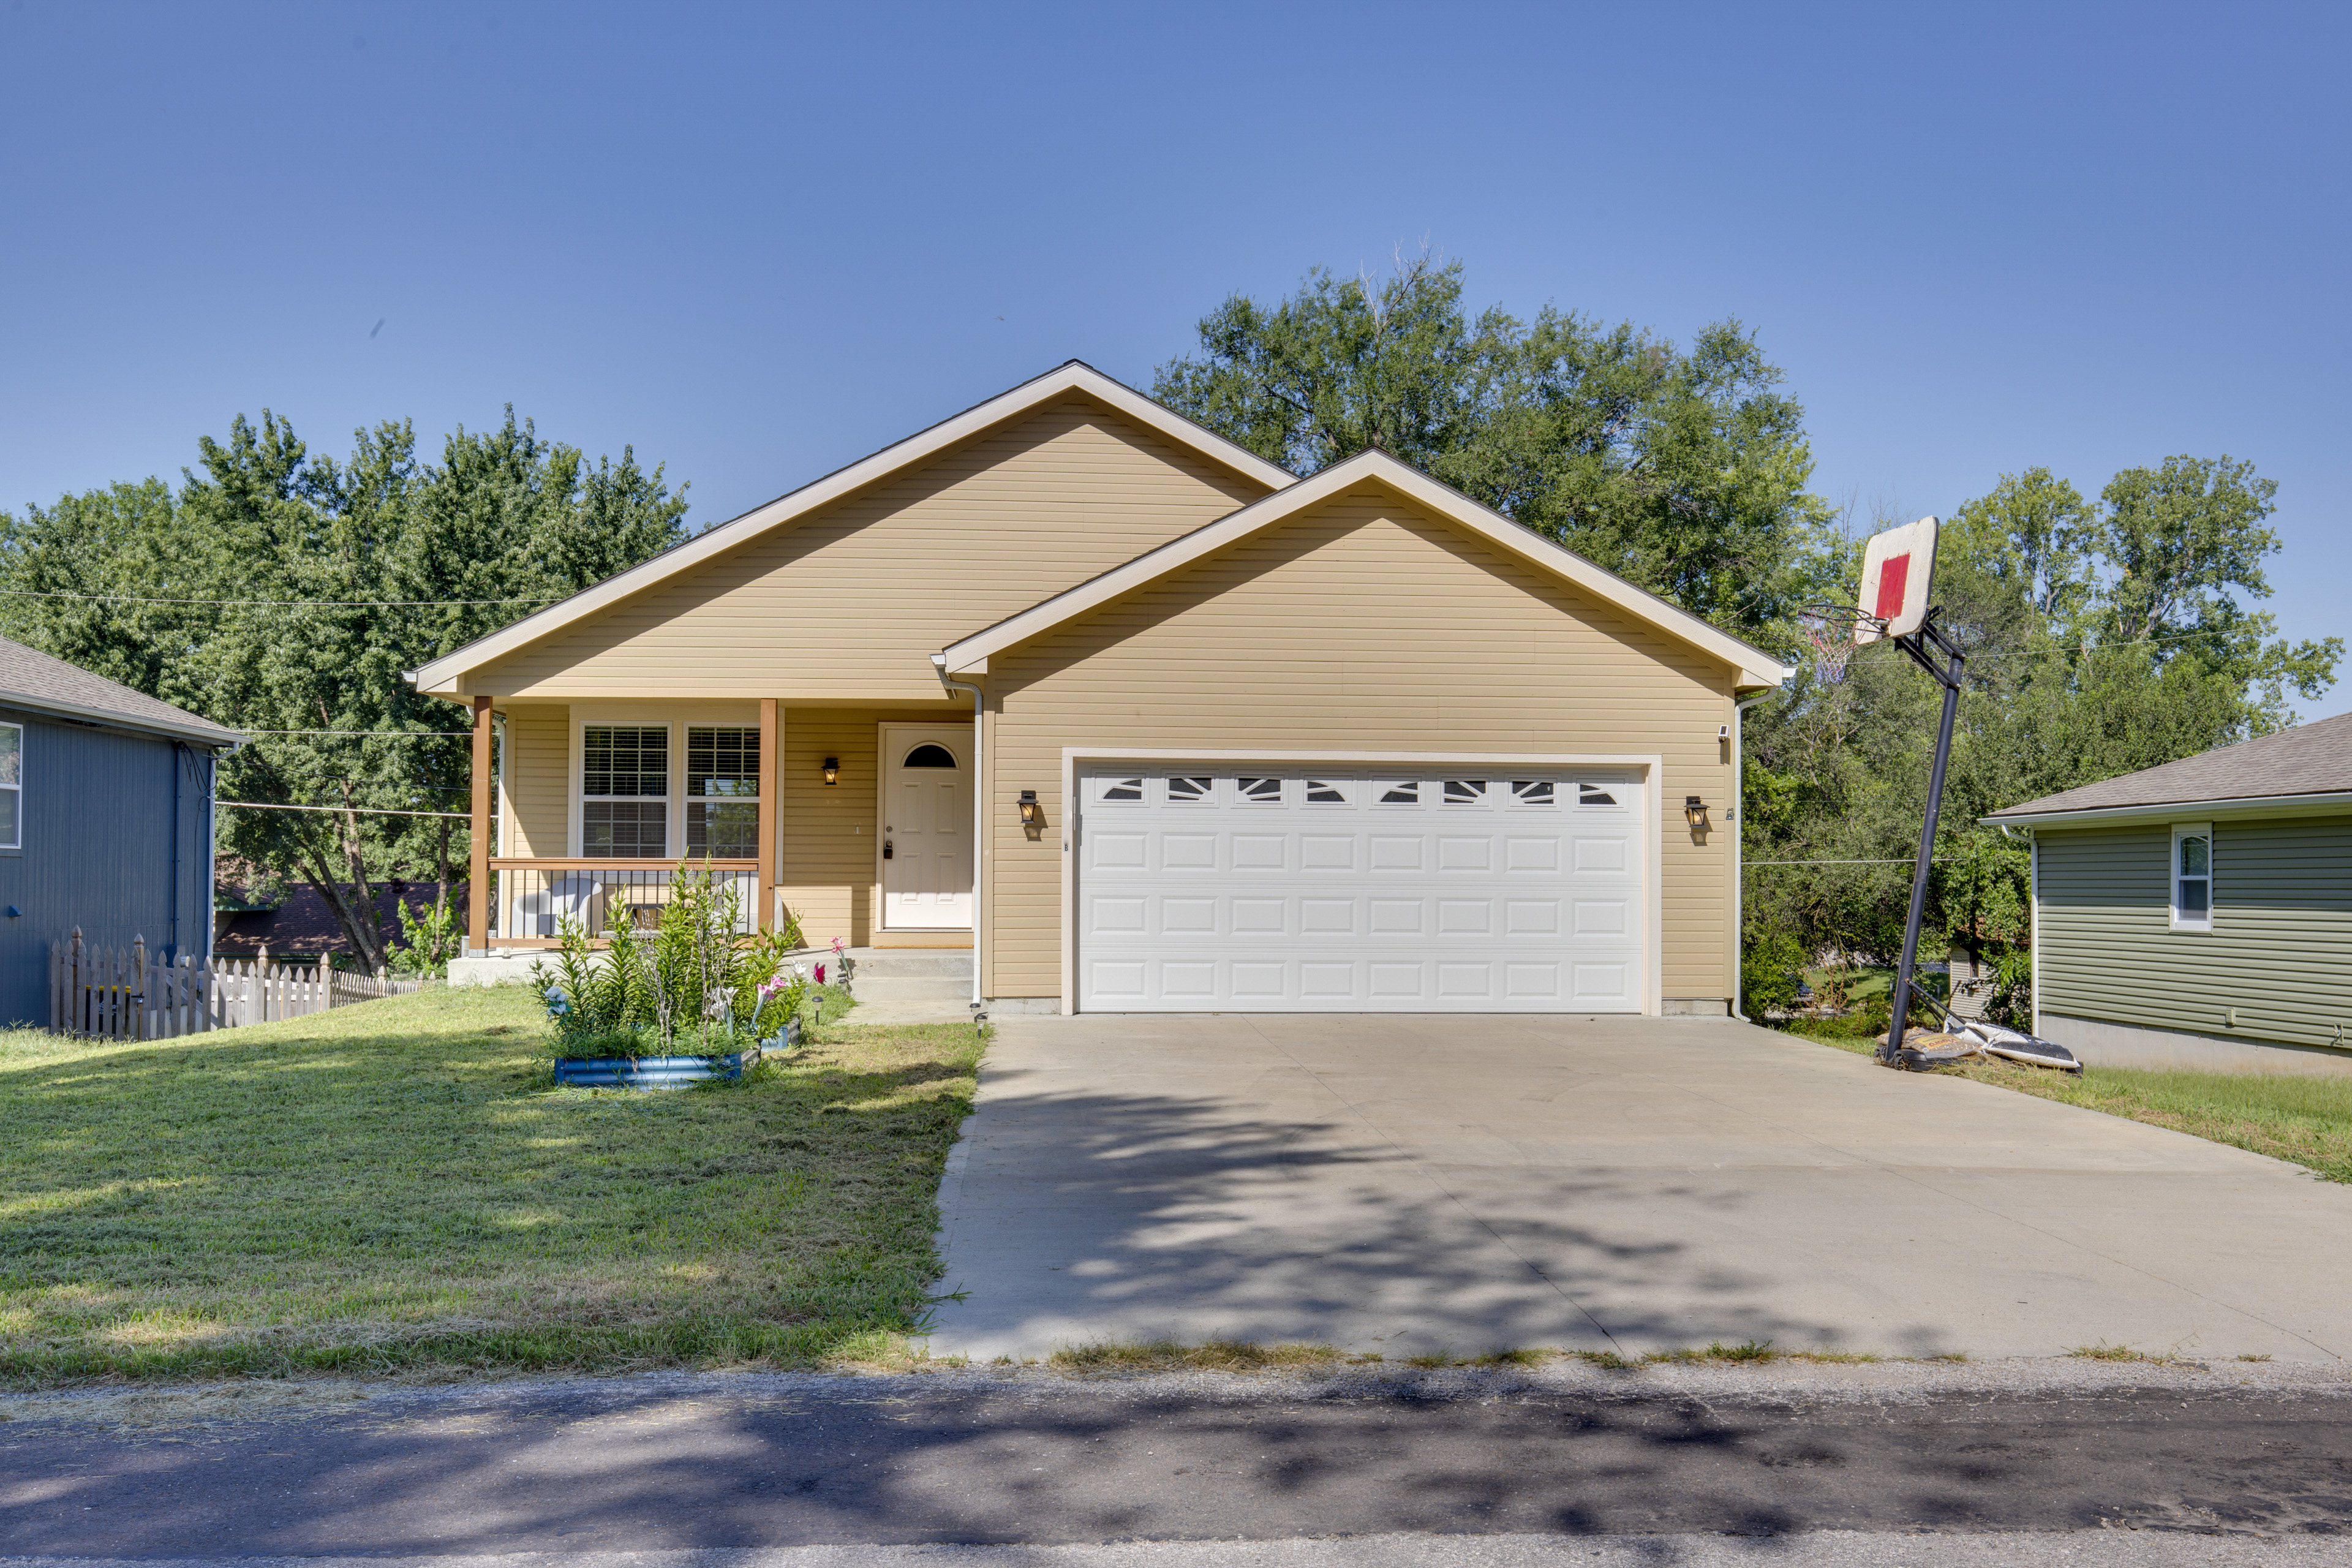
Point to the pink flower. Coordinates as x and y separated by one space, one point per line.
820 974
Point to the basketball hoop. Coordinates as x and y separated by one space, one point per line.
1835 631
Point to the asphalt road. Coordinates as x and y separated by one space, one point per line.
619 1465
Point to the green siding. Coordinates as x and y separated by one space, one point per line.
2280 951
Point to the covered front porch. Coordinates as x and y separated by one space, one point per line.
583 811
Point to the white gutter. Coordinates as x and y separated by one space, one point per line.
979 821
1739 847
2314 801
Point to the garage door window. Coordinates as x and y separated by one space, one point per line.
1533 791
1593 795
1189 790
1112 792
1407 792
1259 792
1322 792
1464 791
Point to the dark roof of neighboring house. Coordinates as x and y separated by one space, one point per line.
304 925
2312 759
33 680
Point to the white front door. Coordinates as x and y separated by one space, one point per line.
926 827
1413 888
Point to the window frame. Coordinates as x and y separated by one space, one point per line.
673 764
2194 925
15 840
690 799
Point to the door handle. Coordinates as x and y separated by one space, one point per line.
889 850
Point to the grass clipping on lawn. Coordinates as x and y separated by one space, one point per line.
397 1185
2305 1119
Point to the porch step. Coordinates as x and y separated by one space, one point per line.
911 974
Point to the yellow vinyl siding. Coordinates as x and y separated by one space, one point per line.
849 604
538 803
829 873
1360 625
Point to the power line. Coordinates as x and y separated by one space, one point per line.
365 810
401 733
310 604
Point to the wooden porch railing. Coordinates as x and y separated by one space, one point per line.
536 895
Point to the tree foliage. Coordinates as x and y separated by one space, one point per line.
1682 470
307 587
2100 639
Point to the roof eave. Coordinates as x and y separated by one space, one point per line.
2308 804
195 730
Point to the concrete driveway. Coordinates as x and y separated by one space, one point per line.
1409 1185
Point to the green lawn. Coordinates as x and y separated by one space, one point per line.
2305 1120
397 1185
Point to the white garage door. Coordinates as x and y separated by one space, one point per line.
1283 889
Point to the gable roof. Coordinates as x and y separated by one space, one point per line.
1756 668
36 682
1072 377
2306 765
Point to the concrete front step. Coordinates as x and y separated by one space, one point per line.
933 975
908 987
912 961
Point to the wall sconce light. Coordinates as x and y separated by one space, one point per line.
1695 810
1031 813
833 770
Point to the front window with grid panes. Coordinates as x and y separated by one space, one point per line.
625 791
722 791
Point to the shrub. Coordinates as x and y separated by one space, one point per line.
1767 974
690 983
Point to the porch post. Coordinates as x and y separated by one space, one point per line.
477 899
772 780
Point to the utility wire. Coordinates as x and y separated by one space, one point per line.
402 733
312 603
364 810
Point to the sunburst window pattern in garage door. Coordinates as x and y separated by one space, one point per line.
1283 889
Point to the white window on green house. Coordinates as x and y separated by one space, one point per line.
722 791
12 787
2192 877
625 791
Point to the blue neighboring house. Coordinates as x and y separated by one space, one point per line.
106 821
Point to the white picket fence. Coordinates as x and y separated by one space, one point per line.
122 994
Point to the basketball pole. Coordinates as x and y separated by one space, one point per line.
1948 675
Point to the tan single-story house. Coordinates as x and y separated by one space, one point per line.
1142 722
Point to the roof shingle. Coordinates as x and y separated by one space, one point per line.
32 679
2310 759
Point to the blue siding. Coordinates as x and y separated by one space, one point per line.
98 850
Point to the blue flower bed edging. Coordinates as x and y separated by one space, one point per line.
668 1072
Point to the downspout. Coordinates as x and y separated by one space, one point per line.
2033 917
979 823
1740 847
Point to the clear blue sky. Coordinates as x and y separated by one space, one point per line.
759 242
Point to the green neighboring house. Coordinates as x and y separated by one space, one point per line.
2199 915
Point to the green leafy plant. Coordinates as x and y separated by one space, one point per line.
693 983
432 938
1767 974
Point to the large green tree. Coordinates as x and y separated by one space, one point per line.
1683 469
2100 639
284 593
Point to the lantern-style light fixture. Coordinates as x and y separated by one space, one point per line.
1695 810
833 770
1030 811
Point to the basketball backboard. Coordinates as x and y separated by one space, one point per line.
1898 568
